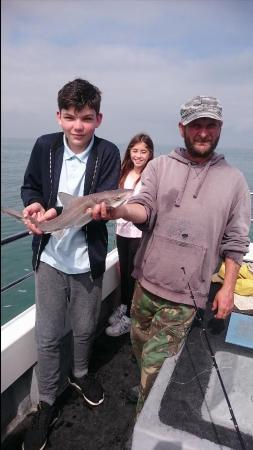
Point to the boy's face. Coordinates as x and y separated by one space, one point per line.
79 126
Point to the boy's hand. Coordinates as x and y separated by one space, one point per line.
37 211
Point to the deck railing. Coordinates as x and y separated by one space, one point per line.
8 240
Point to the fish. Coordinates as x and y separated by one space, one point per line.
74 213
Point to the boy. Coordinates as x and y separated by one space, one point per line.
69 268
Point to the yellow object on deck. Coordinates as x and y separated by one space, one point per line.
244 283
243 292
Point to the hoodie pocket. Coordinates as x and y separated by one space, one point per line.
173 264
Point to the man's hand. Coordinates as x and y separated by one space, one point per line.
104 212
133 212
223 303
36 210
224 299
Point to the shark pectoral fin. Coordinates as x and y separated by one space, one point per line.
65 199
33 221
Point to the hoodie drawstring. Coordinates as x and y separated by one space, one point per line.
201 181
179 155
181 192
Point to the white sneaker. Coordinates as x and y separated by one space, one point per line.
117 314
118 328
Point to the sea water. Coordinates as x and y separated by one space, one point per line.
16 257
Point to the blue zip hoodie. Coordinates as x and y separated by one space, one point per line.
41 181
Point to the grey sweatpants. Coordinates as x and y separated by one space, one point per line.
55 293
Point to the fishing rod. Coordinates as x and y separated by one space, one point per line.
200 319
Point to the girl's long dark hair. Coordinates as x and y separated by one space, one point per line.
127 164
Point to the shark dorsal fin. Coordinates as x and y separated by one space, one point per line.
65 198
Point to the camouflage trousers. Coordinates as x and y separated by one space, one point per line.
159 328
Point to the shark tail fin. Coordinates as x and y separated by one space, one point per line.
12 213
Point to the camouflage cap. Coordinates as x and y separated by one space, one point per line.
201 106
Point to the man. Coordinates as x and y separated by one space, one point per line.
68 269
194 210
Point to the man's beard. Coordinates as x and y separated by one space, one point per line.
196 153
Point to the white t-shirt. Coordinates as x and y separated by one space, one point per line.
124 228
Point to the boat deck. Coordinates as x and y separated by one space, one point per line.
106 427
186 408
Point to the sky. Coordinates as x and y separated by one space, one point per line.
146 56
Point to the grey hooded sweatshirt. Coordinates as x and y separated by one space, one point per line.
197 216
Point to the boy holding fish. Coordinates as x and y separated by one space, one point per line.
68 267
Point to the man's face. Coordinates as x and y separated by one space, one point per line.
201 137
79 126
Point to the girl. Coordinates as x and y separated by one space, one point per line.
139 152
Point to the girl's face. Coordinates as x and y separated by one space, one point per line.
139 155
